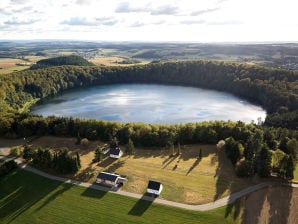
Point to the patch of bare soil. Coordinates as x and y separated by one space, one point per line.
275 205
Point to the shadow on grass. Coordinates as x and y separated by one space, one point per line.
55 194
20 190
169 160
142 205
96 193
106 162
197 161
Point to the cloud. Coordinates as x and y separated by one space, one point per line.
82 21
24 9
19 2
79 21
204 11
84 2
124 7
165 10
192 22
107 21
4 12
137 24
16 21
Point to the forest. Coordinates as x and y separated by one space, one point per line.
248 146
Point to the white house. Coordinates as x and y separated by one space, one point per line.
154 187
116 153
110 179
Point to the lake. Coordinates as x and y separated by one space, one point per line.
150 103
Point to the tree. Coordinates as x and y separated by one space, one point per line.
130 148
287 167
28 152
264 162
200 154
233 150
97 155
78 159
292 148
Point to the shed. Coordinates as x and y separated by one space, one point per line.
116 153
110 179
154 187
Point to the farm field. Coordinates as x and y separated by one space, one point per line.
28 198
184 176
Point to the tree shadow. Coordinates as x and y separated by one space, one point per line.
106 162
20 194
169 160
115 166
197 161
142 205
270 205
54 195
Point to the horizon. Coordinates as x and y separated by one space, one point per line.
173 21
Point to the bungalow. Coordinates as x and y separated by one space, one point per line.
154 187
110 179
116 153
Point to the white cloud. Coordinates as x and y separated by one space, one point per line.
173 20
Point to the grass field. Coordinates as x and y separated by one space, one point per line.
296 173
28 198
184 176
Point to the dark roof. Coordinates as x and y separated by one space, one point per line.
108 176
115 151
154 185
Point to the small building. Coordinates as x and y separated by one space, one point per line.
154 187
116 153
110 179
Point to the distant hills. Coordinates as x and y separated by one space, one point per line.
62 60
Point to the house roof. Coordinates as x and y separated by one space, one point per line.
115 151
154 185
108 176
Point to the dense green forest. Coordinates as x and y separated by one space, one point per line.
62 60
248 146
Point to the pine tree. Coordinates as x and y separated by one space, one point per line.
78 160
97 155
264 162
130 148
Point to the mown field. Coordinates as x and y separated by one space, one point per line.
28 198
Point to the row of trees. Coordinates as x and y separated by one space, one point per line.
60 160
254 156
275 90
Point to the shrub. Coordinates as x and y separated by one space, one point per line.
16 151
7 166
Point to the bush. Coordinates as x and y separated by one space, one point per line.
244 169
7 166
16 151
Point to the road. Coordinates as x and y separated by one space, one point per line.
203 207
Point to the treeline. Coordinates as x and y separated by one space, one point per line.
7 166
60 161
275 90
62 60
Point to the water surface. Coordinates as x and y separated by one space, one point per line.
150 103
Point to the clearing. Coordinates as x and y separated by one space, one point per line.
185 178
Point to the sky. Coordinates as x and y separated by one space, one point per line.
151 21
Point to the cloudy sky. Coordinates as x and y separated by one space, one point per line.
150 20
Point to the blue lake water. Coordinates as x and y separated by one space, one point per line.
150 103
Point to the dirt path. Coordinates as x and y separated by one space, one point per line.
204 207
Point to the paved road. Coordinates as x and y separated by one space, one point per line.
204 207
